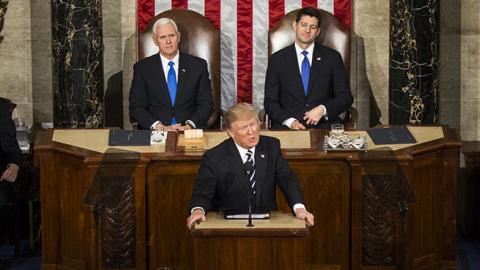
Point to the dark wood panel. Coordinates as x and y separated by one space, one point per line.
249 253
326 188
169 188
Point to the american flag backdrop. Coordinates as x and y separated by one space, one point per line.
244 26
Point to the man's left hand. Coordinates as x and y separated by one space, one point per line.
10 174
305 215
313 116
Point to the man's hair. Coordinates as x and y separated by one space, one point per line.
239 111
309 11
163 21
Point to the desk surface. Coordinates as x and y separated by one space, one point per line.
280 224
96 140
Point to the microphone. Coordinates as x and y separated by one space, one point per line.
248 169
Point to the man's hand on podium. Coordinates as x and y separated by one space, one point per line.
301 213
197 216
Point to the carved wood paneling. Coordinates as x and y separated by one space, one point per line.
382 196
118 221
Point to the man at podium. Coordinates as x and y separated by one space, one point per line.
243 170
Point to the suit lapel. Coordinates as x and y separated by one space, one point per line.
261 157
159 75
182 75
236 164
294 63
315 68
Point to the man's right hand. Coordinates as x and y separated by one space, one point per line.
297 125
197 215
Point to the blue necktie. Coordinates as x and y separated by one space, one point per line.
305 71
172 86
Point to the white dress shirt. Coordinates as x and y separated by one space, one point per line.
300 58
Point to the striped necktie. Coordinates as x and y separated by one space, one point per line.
250 164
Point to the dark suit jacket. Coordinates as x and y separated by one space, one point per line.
150 99
328 85
9 150
222 184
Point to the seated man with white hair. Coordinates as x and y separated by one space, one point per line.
170 90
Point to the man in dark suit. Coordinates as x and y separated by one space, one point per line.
306 84
243 166
157 101
10 153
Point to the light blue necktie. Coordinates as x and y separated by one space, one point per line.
305 71
172 85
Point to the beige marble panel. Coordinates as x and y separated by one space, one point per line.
450 113
371 17
13 70
450 67
469 119
450 16
383 106
353 65
41 19
470 81
111 14
17 20
470 16
112 57
363 109
129 47
43 112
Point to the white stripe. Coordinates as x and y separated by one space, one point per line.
228 51
197 6
162 5
326 5
260 51
292 4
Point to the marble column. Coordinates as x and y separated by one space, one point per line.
78 63
413 64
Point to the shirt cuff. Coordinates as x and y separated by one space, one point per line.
190 123
152 127
196 208
326 113
289 122
298 206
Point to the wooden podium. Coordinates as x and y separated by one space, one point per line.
275 243
361 222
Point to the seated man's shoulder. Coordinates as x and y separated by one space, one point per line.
193 59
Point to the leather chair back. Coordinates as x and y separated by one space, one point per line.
199 38
333 34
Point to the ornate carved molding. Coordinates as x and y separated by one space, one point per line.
3 10
382 195
118 222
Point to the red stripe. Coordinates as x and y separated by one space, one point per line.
212 12
183 4
244 50
276 9
145 12
342 9
309 3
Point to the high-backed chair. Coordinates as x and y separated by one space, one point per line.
333 34
199 38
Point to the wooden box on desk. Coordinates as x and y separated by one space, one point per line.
275 243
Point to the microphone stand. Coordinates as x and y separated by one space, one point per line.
250 192
250 224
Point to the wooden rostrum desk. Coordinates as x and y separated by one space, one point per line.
382 209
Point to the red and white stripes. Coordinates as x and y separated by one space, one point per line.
244 26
